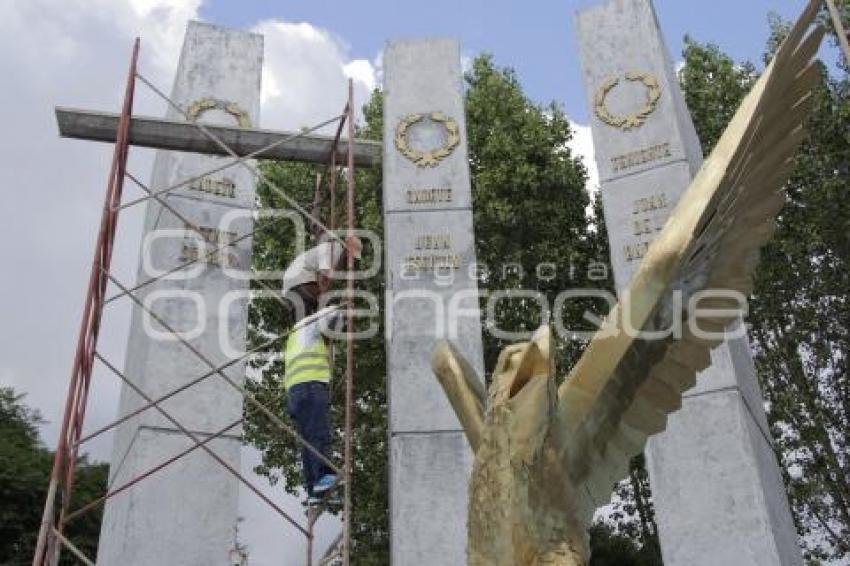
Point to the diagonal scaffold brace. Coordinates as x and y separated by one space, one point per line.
57 512
50 536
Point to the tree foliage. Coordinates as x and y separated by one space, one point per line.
530 209
25 467
799 313
530 203
613 548
714 86
274 248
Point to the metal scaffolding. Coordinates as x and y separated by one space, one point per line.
57 509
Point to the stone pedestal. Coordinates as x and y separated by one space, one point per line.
431 293
186 513
716 485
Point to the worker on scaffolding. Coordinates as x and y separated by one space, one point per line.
307 359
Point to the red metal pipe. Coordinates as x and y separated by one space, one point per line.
317 196
110 213
194 438
332 167
113 492
81 371
245 393
349 361
63 473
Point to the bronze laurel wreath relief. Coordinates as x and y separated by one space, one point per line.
427 158
628 121
201 105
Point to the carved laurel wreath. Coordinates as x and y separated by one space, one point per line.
628 121
202 105
427 158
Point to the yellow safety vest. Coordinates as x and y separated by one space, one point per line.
309 363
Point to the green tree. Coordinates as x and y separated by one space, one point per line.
23 478
799 316
24 473
530 206
714 86
631 513
631 516
274 248
530 209
612 548
801 324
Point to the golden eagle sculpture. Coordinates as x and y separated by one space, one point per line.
546 456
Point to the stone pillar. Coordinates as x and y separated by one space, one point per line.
186 513
717 488
431 292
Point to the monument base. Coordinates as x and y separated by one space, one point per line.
137 521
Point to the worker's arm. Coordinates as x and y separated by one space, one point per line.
333 258
324 280
328 320
333 324
329 259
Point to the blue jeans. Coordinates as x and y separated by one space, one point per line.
307 404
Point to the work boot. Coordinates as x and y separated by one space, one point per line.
326 482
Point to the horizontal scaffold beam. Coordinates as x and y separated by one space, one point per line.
175 135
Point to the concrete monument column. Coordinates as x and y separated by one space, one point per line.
431 293
186 513
717 488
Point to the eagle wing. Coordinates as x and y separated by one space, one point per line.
623 387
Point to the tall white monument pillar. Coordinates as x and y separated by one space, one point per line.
717 488
186 512
431 293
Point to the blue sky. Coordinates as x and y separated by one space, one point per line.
535 38
74 53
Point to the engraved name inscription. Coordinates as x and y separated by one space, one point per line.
651 203
421 259
219 187
641 156
648 218
635 251
434 242
429 196
211 255
432 261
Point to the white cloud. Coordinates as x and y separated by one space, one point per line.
361 71
305 76
166 35
466 61
305 82
75 53
378 64
582 146
679 67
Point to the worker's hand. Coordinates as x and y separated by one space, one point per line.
324 282
354 246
